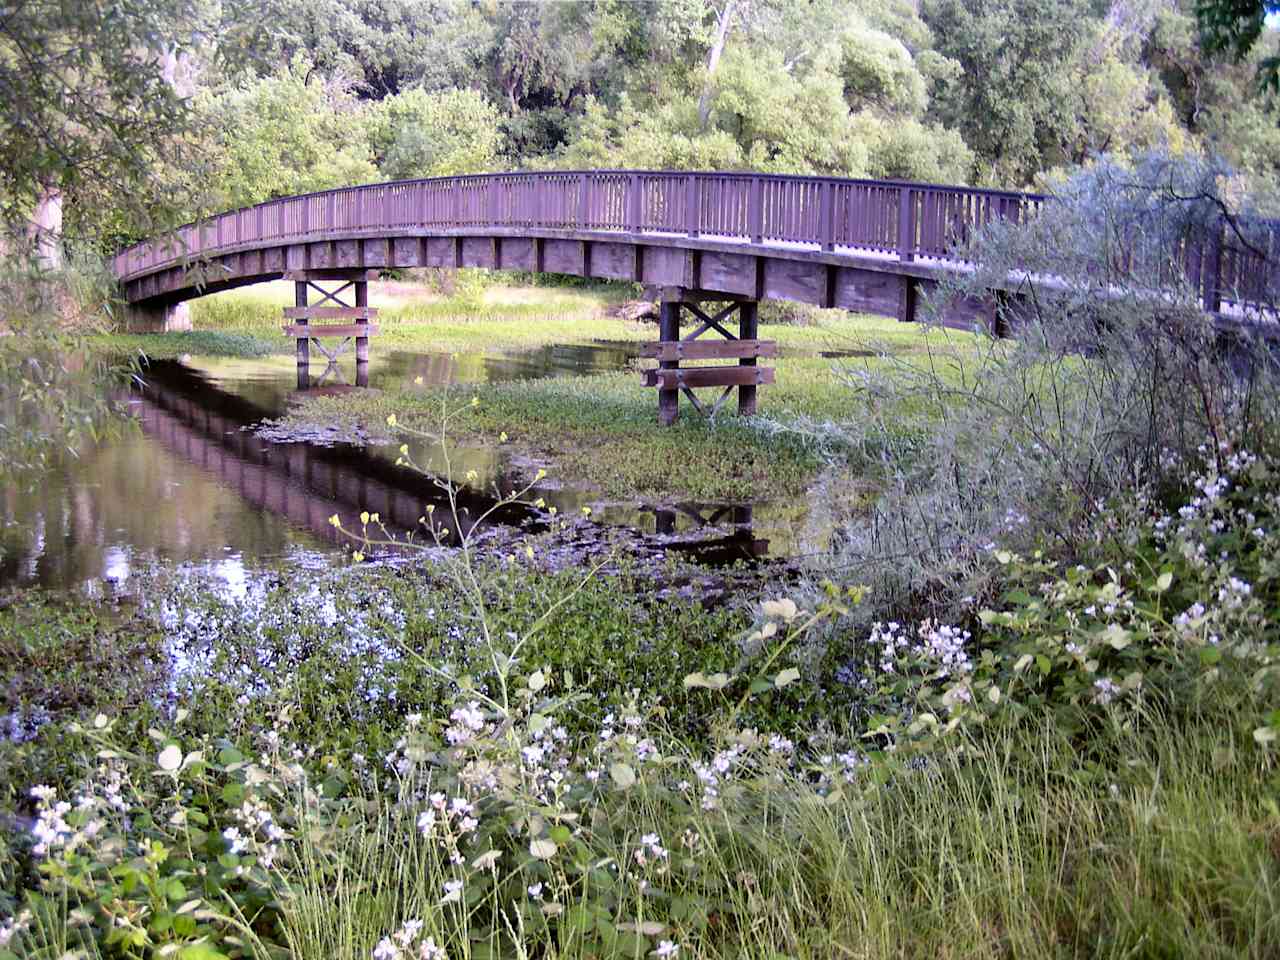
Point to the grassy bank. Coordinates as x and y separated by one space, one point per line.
490 761
412 316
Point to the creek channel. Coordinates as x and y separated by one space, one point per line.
194 482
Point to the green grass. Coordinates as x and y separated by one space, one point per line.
1163 851
602 430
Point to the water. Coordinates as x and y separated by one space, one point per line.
192 483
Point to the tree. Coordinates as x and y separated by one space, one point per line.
1013 99
1233 27
419 134
90 105
287 134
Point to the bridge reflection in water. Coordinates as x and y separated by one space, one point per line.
308 484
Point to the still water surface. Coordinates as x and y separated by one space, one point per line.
193 483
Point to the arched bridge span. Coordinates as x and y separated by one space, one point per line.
830 242
863 245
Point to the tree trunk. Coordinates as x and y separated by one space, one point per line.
45 230
713 61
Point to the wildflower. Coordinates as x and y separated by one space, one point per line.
1106 690
667 949
235 842
535 891
386 950
409 932
429 951
413 720
452 891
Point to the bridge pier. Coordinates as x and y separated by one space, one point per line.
350 283
156 317
672 380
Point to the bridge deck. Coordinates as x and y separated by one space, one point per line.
749 231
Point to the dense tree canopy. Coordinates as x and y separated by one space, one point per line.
207 105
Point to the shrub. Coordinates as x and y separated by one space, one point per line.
1105 385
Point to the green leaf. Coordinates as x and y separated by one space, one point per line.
542 849
624 777
201 950
789 675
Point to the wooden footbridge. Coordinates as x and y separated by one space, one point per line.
694 239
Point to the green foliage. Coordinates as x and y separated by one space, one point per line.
287 134
879 72
1013 96
1234 27
417 134
1175 610
93 107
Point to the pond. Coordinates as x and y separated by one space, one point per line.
194 481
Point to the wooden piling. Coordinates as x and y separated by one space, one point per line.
304 342
668 330
748 313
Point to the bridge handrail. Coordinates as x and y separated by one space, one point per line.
903 219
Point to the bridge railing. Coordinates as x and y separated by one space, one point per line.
892 219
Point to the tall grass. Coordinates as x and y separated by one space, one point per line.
1167 846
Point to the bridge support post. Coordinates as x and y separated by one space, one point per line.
668 331
156 318
331 306
304 342
672 380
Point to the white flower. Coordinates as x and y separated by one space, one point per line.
409 932
452 891
386 950
667 949
535 891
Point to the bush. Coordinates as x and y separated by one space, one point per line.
1105 386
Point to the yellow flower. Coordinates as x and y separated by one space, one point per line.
334 521
471 476
404 449
502 437
417 381
540 475
475 401
391 420
364 517
586 511
528 552
357 556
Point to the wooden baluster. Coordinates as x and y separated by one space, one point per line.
827 223
906 223
755 211
692 206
